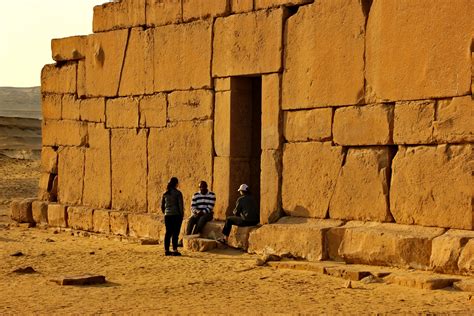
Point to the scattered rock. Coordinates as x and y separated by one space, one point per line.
348 285
17 254
149 242
371 279
49 240
55 232
198 244
92 253
26 270
260 262
87 279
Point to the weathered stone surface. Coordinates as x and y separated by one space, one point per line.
122 112
262 4
166 158
372 123
39 210
270 191
318 69
70 107
118 223
447 248
51 106
69 48
129 152
420 280
295 236
239 236
101 221
59 79
310 125
222 84
63 133
466 285
199 9
146 226
454 120
182 58
118 15
271 112
49 160
362 188
48 187
466 259
213 230
97 175
423 72
81 280
92 110
57 215
21 211
80 218
190 105
249 43
347 272
432 186
228 173
70 175
153 110
161 12
198 244
389 245
315 167
103 64
239 6
413 122
81 78
137 72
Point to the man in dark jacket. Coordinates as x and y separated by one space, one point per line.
246 212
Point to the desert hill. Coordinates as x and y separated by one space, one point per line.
20 102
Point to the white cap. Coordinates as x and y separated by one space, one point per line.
243 187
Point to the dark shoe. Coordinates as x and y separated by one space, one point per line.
222 241
176 253
168 253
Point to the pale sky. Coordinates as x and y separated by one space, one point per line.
26 30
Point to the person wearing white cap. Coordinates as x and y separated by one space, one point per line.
246 212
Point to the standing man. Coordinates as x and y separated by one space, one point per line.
202 209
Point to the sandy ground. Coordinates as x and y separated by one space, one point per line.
143 281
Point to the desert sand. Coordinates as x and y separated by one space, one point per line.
141 280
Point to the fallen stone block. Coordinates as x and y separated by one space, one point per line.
39 210
118 15
421 280
198 244
466 285
446 250
25 270
57 215
149 242
81 280
119 223
318 267
69 48
21 211
101 221
466 259
239 237
213 230
347 272
80 218
293 236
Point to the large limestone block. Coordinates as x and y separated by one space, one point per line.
70 175
413 122
92 110
213 229
103 65
271 112
49 160
57 215
420 280
182 58
239 237
319 70
415 50
363 125
137 73
405 246
192 243
310 171
39 210
263 4
183 150
229 174
57 78
432 186
162 12
190 105
146 226
21 211
70 107
455 120
447 248
101 221
200 9
122 112
118 223
129 170
239 6
63 133
362 187
270 186
153 110
466 259
118 15
299 237
249 43
69 48
80 218
308 125
97 175
51 106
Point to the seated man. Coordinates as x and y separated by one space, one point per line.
246 212
202 207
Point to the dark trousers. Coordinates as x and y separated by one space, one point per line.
237 221
173 226
197 222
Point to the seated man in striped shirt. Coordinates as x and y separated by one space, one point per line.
202 207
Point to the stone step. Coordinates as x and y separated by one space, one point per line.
238 238
195 243
421 280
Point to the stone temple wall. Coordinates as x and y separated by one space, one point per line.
366 110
